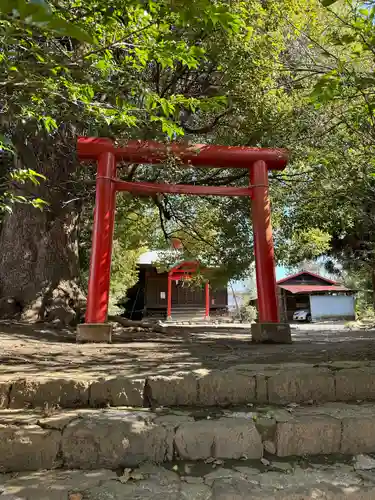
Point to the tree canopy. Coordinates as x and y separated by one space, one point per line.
294 74
339 197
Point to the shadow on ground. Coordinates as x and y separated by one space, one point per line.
38 349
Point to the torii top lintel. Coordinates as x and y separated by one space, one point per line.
199 155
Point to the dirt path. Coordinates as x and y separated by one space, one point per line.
41 350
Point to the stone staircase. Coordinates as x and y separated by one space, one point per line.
193 314
115 438
291 431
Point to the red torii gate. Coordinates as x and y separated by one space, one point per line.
185 270
257 160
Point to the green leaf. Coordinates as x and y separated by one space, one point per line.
39 13
23 175
7 6
20 198
102 64
32 173
39 203
348 38
328 3
49 123
164 106
5 144
364 12
357 48
69 29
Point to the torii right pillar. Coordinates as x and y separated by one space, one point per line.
268 329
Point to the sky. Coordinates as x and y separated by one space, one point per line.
241 286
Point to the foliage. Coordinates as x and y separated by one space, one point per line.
219 230
346 69
319 105
248 313
289 74
212 232
305 244
57 81
135 224
17 17
334 192
97 81
134 228
19 177
39 14
360 280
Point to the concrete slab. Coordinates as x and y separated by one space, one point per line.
94 333
271 333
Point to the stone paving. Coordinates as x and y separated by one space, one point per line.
186 481
223 416
122 437
238 385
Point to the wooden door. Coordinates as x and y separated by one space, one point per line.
184 294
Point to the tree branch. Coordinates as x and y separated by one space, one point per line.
207 128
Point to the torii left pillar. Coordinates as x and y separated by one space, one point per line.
95 329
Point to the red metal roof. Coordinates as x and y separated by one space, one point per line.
309 273
314 288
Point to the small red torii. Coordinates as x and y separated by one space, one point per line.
257 160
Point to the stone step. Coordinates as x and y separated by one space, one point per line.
240 385
276 481
187 320
115 438
187 315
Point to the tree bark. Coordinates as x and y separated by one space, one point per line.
143 325
152 327
39 267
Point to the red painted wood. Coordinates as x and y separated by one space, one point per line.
192 264
169 298
257 160
147 188
102 235
207 297
199 155
263 245
185 275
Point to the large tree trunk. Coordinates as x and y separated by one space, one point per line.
39 264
